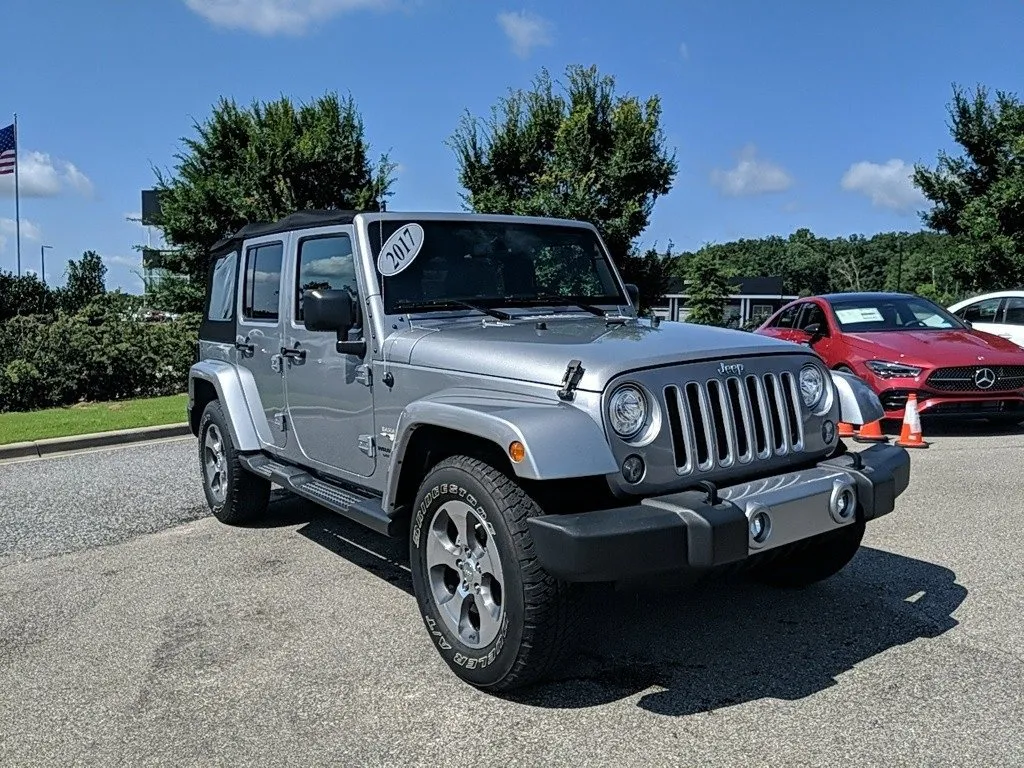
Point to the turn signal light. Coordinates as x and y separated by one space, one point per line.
517 451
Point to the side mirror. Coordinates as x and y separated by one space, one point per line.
332 310
815 330
634 293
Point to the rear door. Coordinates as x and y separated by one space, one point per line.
258 338
783 326
330 399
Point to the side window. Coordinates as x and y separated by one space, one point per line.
1014 311
812 314
325 262
787 319
981 311
222 288
262 287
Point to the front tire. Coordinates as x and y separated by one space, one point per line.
813 561
496 617
234 495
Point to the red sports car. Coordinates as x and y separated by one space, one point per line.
901 343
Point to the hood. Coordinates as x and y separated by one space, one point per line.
940 348
520 350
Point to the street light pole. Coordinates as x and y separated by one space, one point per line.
42 260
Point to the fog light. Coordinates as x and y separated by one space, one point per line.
633 469
759 524
828 431
843 504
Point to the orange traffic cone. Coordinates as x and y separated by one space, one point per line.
871 433
910 435
846 430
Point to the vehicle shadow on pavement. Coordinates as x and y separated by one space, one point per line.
385 558
726 642
717 643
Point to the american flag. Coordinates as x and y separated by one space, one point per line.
8 149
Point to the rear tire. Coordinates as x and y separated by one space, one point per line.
818 559
497 618
234 495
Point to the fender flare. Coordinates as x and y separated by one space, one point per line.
858 403
561 440
231 393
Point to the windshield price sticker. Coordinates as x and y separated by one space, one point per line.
400 250
859 315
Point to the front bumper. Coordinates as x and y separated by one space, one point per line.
967 405
685 530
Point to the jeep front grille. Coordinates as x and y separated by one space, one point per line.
716 424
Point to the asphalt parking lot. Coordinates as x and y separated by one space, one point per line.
136 630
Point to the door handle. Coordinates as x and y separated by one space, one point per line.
293 353
242 345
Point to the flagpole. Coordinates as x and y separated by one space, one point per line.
17 201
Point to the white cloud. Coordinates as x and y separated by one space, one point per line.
40 175
751 176
122 261
274 17
525 31
684 50
888 185
30 232
78 180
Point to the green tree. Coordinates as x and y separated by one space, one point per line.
25 295
261 163
583 152
978 196
708 287
86 279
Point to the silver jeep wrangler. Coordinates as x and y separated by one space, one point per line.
483 386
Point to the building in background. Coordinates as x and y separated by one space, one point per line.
755 300
154 270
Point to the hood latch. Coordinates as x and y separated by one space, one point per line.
573 374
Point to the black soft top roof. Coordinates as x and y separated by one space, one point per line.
297 220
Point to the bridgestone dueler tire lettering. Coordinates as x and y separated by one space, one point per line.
247 494
540 611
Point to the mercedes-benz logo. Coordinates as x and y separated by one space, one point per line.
984 378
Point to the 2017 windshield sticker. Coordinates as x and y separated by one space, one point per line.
400 250
859 315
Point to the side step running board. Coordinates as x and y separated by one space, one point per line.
365 510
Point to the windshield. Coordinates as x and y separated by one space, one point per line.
489 264
892 313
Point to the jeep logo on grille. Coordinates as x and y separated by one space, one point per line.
985 378
735 369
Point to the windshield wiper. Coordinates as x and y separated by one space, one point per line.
436 303
558 300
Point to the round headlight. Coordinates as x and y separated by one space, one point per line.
812 386
627 410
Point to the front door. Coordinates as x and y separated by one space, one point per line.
1012 326
258 338
821 342
983 315
330 401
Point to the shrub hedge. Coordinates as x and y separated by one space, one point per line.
100 352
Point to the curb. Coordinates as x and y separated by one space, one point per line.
39 448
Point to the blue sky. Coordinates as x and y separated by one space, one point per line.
783 115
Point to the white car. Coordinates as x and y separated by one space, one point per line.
1001 313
